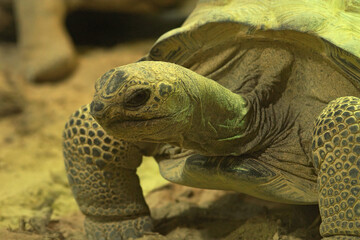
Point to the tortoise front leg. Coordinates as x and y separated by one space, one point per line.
336 156
102 174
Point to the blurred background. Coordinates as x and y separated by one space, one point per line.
51 53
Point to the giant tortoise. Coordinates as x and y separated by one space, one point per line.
258 97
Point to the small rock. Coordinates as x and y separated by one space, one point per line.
276 236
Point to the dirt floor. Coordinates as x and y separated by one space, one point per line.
36 202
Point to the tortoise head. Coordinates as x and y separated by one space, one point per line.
142 101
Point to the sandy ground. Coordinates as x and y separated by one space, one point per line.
31 166
36 202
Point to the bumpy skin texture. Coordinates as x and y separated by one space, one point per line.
336 148
102 174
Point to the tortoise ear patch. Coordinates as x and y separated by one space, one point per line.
164 89
116 81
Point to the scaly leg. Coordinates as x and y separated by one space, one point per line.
336 155
102 174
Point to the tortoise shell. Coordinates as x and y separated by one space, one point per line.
329 28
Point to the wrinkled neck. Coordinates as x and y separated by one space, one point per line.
219 120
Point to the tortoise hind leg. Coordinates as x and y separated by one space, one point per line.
237 173
102 174
336 156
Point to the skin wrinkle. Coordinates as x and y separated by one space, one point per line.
252 79
193 98
221 104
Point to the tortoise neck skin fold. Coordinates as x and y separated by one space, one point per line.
219 117
162 102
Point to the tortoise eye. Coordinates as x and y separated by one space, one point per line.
137 98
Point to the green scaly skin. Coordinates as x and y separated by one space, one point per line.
164 103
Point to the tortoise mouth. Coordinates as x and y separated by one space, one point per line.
137 129
136 122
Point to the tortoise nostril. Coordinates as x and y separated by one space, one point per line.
138 98
96 106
